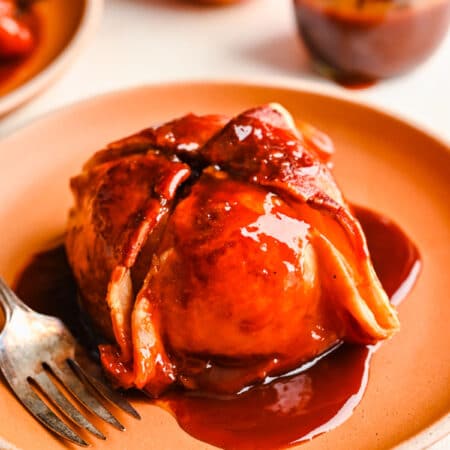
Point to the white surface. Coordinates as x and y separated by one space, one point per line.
144 41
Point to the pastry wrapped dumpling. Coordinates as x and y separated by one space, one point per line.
213 253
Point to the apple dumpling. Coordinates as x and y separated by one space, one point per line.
213 252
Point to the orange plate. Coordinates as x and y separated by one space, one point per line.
381 163
63 27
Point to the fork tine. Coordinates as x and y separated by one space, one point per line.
44 414
68 378
56 396
103 389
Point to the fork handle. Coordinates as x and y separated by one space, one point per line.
9 300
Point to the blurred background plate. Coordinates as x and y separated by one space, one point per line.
64 26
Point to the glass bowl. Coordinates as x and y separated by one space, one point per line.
364 40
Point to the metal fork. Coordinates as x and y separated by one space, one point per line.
37 354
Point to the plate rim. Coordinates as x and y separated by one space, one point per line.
437 430
88 24
307 86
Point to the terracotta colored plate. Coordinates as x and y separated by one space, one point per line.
63 27
381 162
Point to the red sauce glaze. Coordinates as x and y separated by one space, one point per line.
296 407
284 412
15 49
356 42
8 69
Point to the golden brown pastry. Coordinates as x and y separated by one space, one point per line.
213 253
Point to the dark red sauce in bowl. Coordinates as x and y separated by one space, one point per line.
19 37
358 41
290 409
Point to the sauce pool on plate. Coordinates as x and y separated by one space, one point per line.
281 412
19 37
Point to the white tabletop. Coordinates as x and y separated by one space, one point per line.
147 41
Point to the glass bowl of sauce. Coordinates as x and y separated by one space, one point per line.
357 41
